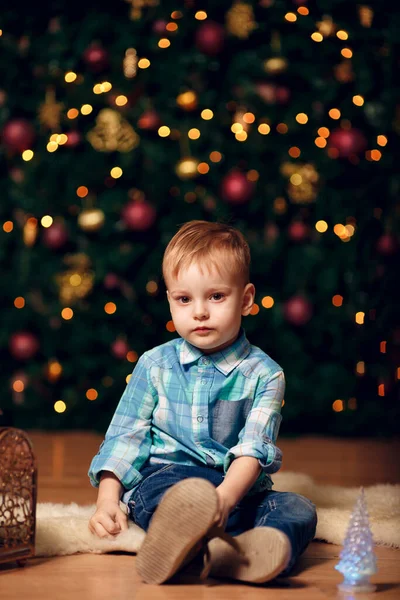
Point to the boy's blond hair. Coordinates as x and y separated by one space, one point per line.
213 244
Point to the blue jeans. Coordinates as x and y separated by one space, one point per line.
293 514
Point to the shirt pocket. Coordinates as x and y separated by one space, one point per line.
228 419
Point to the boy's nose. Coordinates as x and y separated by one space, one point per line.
200 312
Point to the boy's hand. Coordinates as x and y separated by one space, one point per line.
225 507
108 519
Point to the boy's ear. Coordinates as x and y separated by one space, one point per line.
248 299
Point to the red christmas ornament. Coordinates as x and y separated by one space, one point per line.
23 345
18 135
74 139
236 188
298 231
149 120
210 38
347 142
387 244
159 26
138 215
96 58
55 236
119 348
297 310
272 93
111 281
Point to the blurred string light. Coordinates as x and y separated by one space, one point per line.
70 77
267 302
337 300
264 129
67 313
382 347
86 109
46 221
164 131
255 309
144 63
342 35
164 43
116 172
200 15
194 133
82 191
92 394
102 88
121 100
72 113
132 356
110 308
303 11
381 140
27 155
8 226
359 318
215 156
207 114
19 302
321 226
60 406
360 367
338 406
291 17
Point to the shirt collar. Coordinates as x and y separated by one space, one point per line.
224 360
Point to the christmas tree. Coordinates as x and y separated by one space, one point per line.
121 120
357 559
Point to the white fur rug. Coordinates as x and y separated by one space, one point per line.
63 528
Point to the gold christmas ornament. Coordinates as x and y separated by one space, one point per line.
130 63
77 281
240 20
50 111
137 7
303 182
366 15
275 65
187 100
112 133
186 168
326 27
91 219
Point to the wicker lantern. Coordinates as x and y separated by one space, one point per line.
18 477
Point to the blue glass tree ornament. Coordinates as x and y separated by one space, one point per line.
357 559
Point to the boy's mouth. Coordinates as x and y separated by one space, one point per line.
202 329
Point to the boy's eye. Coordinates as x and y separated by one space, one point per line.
183 299
217 296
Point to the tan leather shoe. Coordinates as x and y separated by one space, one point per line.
183 518
265 553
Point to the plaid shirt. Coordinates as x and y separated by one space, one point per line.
186 407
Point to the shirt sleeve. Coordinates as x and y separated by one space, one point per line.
259 434
127 442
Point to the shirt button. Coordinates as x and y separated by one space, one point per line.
200 419
204 381
205 361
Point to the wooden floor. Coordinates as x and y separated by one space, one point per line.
63 461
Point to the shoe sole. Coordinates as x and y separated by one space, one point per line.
185 514
266 551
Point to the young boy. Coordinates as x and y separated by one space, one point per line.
191 445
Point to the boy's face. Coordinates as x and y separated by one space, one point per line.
207 306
